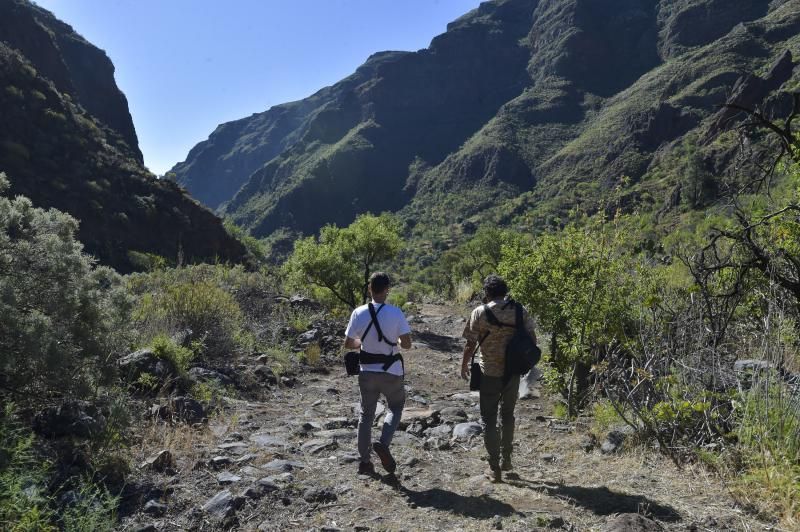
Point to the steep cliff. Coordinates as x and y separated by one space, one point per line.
60 155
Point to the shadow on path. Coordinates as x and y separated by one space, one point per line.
479 507
437 342
601 500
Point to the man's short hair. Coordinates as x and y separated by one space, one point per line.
494 286
378 282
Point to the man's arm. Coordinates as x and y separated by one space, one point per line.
405 341
351 343
469 348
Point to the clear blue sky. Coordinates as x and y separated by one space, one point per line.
188 65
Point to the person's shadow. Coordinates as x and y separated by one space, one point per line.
479 507
599 500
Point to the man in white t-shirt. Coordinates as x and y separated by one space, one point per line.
376 329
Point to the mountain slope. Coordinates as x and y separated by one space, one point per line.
59 155
522 110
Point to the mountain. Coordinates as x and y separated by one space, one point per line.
67 141
519 112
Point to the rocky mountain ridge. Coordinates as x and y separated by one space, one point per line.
60 154
520 111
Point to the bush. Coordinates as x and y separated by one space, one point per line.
62 319
164 347
201 310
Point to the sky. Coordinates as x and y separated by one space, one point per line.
187 66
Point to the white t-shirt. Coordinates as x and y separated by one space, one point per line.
393 325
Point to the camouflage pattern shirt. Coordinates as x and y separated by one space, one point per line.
493 348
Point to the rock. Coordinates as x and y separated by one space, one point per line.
219 462
268 440
453 414
613 442
557 522
228 478
282 466
549 457
245 458
497 522
349 458
308 337
442 431
318 445
289 382
416 428
223 504
437 444
337 423
155 508
132 366
588 443
198 374
268 485
144 528
80 419
160 461
265 374
411 462
187 409
250 471
467 431
298 301
751 365
319 495
234 447
527 385
632 523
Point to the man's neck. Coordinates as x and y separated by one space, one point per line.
378 301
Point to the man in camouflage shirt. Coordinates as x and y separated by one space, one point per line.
497 389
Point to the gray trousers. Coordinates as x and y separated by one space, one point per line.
493 395
372 384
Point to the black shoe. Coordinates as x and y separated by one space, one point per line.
366 468
383 453
505 465
494 475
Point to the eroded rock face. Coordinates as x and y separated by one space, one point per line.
74 65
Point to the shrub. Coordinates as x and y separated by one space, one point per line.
164 347
201 310
62 320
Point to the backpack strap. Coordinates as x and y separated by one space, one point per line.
492 319
374 314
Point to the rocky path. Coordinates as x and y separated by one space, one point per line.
289 463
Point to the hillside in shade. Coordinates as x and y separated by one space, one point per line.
67 141
520 111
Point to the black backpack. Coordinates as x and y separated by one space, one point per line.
522 353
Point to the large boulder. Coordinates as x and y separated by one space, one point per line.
145 361
72 418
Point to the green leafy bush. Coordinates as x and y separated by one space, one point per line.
62 320
200 309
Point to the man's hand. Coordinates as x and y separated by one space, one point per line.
465 370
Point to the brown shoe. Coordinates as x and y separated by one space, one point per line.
383 453
494 475
366 468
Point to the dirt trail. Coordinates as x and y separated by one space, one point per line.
290 463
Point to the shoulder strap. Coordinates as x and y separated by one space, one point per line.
492 319
374 314
519 323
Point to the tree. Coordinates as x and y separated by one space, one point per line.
62 319
342 259
578 285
